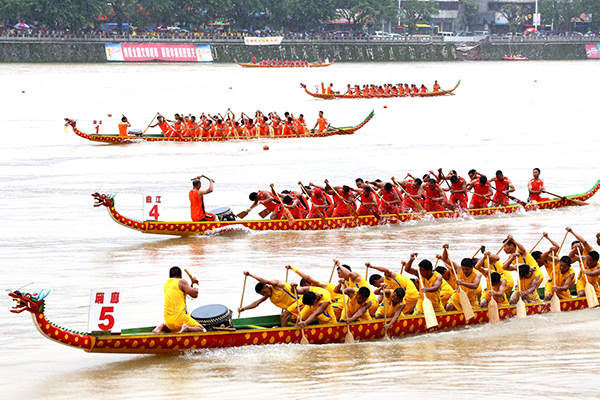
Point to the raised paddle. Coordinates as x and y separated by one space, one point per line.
415 202
304 340
578 202
428 311
481 249
521 310
386 337
351 209
590 293
151 121
502 248
554 301
493 314
465 304
349 337
243 290
288 215
562 243
309 199
538 242
332 271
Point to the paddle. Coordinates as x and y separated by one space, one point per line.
351 209
288 215
554 301
304 340
521 310
244 213
538 242
151 121
332 271
590 293
373 213
449 187
264 213
386 337
428 311
483 197
416 203
562 243
501 248
465 304
315 207
481 249
493 314
383 201
242 300
191 279
519 202
578 202
349 337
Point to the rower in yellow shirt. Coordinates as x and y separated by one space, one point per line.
565 279
588 263
446 291
496 264
394 306
357 309
280 293
394 280
469 280
356 280
497 289
176 314
317 305
337 299
432 282
528 285
512 247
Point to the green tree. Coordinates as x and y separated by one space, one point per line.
414 11
64 13
470 13
362 11
514 15
310 14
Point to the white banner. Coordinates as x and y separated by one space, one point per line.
152 207
262 41
105 311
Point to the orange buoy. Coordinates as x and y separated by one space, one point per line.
110 115
22 91
265 147
384 106
229 87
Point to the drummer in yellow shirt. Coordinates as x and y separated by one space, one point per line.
280 293
176 315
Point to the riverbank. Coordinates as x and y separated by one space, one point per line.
90 49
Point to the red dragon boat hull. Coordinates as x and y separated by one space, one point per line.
250 332
515 58
160 138
378 96
251 65
198 228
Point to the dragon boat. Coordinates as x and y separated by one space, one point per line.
377 96
255 330
160 138
310 224
290 65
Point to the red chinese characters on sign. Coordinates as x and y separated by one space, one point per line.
99 298
114 298
148 199
158 51
158 199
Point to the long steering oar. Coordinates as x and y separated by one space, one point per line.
309 199
554 301
493 314
590 293
415 202
521 310
385 336
349 337
465 304
304 340
243 291
578 202
151 121
428 311
288 215
351 209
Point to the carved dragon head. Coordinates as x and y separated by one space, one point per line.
106 200
70 122
33 303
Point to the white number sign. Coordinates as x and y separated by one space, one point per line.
152 207
105 311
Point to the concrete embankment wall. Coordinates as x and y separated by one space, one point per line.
81 51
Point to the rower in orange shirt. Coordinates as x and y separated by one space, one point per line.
205 126
193 127
164 126
330 88
436 87
276 124
434 196
391 200
347 194
197 201
423 89
123 125
483 192
321 123
298 127
458 190
413 194
503 187
249 125
262 125
536 187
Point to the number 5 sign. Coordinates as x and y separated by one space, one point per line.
105 311
152 207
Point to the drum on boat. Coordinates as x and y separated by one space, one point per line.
213 316
224 214
136 132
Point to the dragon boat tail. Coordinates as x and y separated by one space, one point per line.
254 331
115 138
198 228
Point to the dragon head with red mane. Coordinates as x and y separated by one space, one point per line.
32 302
69 121
106 200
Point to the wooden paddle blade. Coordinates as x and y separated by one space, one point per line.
554 304
430 318
465 304
288 215
590 296
521 310
349 337
304 339
242 215
386 336
264 213
493 314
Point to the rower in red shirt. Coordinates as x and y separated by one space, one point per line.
413 194
347 194
434 196
483 193
368 202
458 190
536 187
265 198
391 200
293 205
503 186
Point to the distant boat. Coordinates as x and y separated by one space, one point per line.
518 57
286 64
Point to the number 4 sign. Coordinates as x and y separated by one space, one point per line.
105 311
152 207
